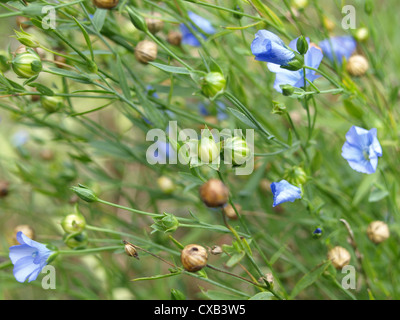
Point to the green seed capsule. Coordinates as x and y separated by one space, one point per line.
27 64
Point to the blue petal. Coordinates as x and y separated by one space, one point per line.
24 268
338 48
270 48
283 191
21 251
202 23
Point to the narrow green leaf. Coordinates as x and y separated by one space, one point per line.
309 278
99 18
170 69
242 118
86 36
122 79
262 296
159 276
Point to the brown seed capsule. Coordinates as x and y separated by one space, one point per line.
155 24
340 257
230 212
378 231
216 250
26 230
130 250
4 188
47 154
214 193
146 51
22 22
357 65
174 38
22 49
194 257
60 61
105 4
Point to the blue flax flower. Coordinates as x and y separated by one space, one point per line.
337 48
312 59
283 191
362 149
268 47
29 258
198 23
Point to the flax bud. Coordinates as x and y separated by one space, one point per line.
146 51
357 65
214 193
340 257
194 257
27 64
378 231
105 4
73 222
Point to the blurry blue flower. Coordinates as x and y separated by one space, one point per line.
269 47
221 110
29 258
312 59
362 149
162 153
283 191
198 22
151 91
20 138
338 48
317 231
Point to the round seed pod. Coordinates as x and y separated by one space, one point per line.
154 24
174 38
340 257
166 184
130 250
73 223
362 34
27 64
194 257
4 185
105 4
22 22
357 65
230 212
146 51
46 154
378 231
26 230
214 193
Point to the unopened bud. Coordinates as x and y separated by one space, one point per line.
166 184
295 175
194 257
85 193
76 240
328 23
26 39
287 90
214 193
167 223
146 51
378 231
362 34
51 103
339 256
73 223
105 4
302 45
213 84
208 150
300 4
27 64
357 65
317 233
236 150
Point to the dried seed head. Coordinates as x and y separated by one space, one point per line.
154 24
130 250
46 154
146 51
230 212
378 231
357 65
214 193
174 38
194 257
340 257
216 250
26 230
4 185
105 4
